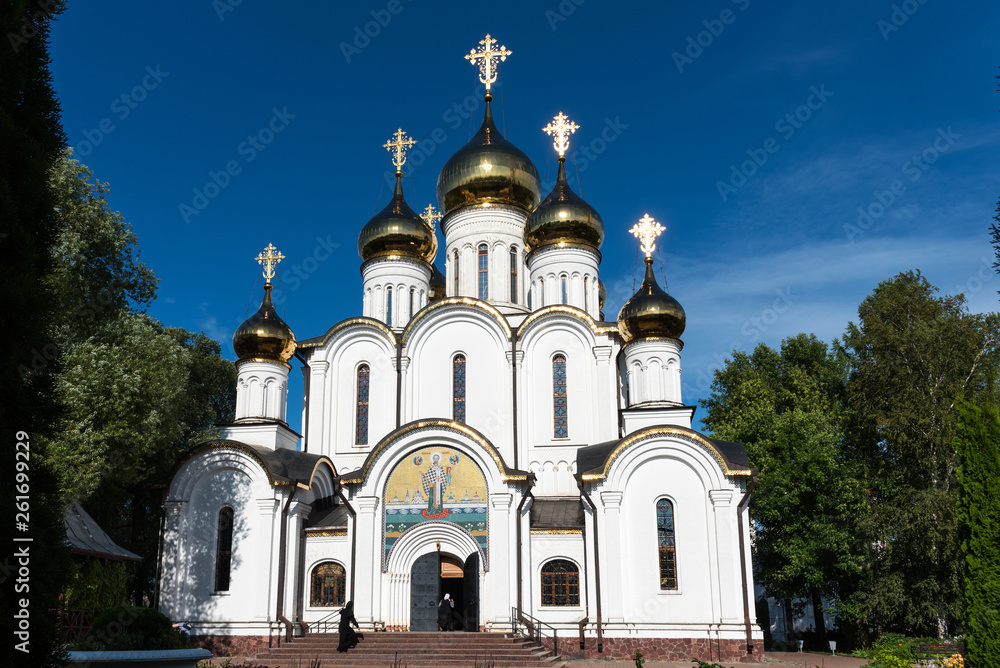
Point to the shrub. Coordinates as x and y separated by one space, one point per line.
128 628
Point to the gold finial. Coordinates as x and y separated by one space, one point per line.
269 259
487 57
431 215
646 231
561 128
398 144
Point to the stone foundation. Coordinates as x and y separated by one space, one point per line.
248 646
659 649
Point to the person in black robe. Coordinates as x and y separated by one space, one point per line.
445 607
348 638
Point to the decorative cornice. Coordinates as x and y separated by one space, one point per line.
456 301
664 430
359 476
566 310
556 532
320 341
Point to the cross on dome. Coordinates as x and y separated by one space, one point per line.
561 128
398 144
646 231
269 259
487 57
431 215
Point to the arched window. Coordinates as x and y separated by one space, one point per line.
413 295
361 420
560 583
513 274
328 585
484 272
665 538
454 271
388 306
560 422
586 294
458 388
224 550
563 289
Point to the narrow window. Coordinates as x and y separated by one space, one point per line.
328 582
563 282
665 537
361 421
513 274
560 583
388 306
484 272
224 550
458 388
559 420
454 270
413 294
586 294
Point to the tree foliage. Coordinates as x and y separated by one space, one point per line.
909 359
978 445
787 409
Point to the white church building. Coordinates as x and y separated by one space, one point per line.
478 430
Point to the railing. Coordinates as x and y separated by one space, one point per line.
533 629
76 623
327 623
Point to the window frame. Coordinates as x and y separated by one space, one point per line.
459 399
567 585
358 403
342 577
483 272
224 557
675 589
558 398
388 305
513 274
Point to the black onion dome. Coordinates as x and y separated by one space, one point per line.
264 335
488 169
563 218
651 312
397 230
438 285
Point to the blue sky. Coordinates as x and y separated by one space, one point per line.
798 153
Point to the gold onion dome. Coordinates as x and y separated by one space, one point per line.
651 312
563 219
488 170
265 336
397 231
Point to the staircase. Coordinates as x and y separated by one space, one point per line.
413 649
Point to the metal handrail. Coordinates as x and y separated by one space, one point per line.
323 625
533 626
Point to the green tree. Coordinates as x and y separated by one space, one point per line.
910 358
787 409
978 445
30 140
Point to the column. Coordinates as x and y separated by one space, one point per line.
173 572
369 558
611 541
318 442
495 601
297 514
728 556
266 582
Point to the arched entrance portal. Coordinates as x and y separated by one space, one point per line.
432 576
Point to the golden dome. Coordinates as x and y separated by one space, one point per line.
651 312
488 169
438 286
563 218
397 230
264 336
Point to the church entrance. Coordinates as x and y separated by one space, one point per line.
432 576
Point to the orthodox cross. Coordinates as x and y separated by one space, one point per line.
646 231
398 144
487 57
561 128
269 259
431 215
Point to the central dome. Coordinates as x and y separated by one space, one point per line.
488 170
563 218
